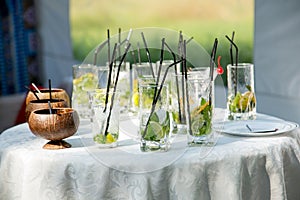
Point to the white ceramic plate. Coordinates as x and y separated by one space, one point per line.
258 127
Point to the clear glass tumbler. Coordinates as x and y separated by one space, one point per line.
154 118
241 100
178 102
85 79
105 117
199 110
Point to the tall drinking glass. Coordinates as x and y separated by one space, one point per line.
241 100
154 126
105 117
85 79
199 110
178 102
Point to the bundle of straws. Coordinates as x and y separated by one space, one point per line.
112 84
236 60
179 58
159 86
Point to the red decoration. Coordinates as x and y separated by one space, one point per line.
220 70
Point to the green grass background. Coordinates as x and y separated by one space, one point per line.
204 20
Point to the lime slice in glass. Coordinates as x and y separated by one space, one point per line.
154 131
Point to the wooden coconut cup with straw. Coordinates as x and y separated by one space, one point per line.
54 124
42 103
56 93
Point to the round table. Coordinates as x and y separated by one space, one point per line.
234 168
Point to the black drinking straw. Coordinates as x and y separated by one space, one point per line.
186 86
183 66
236 49
121 43
131 76
176 79
109 77
98 50
108 46
50 93
180 45
180 53
230 50
212 61
161 59
34 92
126 41
155 98
236 63
164 78
171 51
189 40
148 54
115 60
139 52
119 40
114 91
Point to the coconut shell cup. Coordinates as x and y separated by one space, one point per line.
62 123
56 93
43 104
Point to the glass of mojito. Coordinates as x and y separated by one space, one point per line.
105 117
199 110
178 102
154 128
85 79
241 100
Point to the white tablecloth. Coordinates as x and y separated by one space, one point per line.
235 168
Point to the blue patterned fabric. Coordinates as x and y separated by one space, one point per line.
18 46
21 73
5 56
